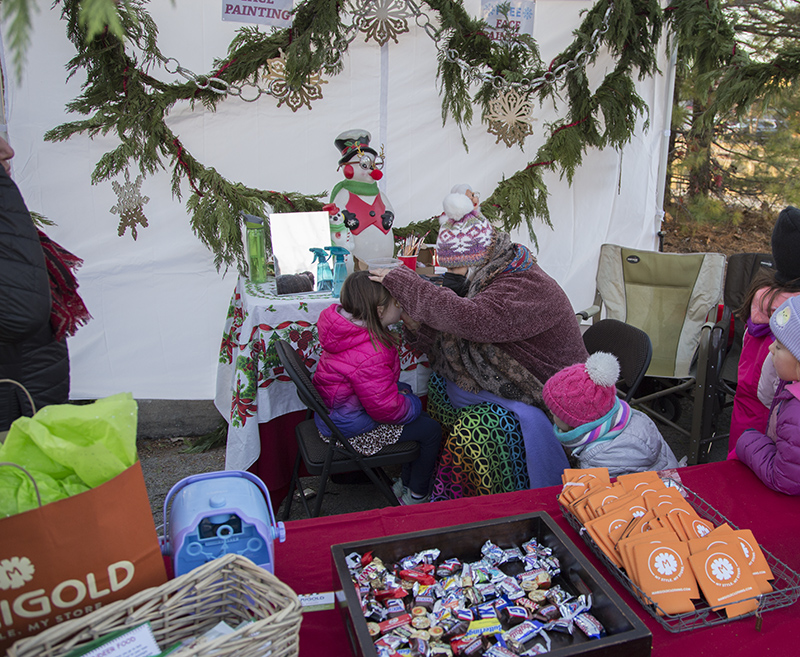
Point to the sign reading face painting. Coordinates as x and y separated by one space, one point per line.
519 18
265 12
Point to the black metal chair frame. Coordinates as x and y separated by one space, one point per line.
337 455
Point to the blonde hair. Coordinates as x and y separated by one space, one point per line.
362 297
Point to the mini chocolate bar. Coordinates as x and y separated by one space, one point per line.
589 625
523 632
391 623
492 554
395 607
467 645
513 615
499 651
547 613
448 567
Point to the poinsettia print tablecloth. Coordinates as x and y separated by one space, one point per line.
252 386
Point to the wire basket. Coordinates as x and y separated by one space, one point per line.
231 589
786 585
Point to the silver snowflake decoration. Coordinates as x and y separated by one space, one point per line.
129 205
509 118
381 20
275 76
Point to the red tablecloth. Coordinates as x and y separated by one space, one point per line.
304 560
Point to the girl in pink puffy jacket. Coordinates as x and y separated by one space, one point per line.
358 379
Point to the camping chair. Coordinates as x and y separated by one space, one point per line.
717 366
337 455
630 345
669 296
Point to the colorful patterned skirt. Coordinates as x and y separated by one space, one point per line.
483 451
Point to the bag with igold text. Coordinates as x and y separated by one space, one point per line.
76 527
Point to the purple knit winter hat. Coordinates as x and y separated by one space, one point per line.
465 235
785 325
584 392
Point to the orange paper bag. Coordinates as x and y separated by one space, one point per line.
70 557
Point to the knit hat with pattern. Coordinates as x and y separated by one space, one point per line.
465 235
785 325
582 393
786 246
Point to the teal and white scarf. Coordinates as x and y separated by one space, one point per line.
607 427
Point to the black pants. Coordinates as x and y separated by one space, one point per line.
418 474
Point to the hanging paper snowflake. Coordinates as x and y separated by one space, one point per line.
509 118
381 20
129 206
275 76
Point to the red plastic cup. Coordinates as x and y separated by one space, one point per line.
409 261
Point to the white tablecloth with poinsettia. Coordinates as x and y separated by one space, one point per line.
252 387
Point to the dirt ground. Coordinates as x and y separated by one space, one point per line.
752 235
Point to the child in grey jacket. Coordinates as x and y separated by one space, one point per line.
601 430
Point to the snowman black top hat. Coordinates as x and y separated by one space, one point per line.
351 142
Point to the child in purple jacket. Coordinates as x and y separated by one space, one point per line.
775 455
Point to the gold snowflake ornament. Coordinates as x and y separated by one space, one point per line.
275 76
509 118
381 20
129 205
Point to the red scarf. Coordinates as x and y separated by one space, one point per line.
68 312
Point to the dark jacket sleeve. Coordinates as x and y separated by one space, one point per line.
24 283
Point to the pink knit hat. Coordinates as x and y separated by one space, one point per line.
585 392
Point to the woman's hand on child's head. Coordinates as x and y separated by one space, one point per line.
378 275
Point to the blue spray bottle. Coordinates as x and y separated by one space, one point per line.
339 267
324 273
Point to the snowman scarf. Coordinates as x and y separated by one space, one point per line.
476 366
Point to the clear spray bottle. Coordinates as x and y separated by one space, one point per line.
339 267
324 273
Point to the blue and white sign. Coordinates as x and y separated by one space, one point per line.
264 12
520 17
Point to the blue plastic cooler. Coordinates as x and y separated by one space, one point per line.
219 513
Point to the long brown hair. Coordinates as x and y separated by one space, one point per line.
764 279
361 297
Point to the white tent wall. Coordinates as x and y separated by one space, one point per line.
158 303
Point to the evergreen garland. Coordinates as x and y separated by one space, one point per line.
120 95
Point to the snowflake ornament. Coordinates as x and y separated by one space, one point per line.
275 77
129 205
509 118
381 20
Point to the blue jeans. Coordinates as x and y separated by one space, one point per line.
418 474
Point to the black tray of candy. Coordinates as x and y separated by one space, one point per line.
460 587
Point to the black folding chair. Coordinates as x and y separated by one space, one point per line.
337 455
629 344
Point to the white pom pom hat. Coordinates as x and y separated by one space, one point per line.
585 392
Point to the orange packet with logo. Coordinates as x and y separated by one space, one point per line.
725 578
675 517
630 500
665 575
625 548
696 527
577 482
641 482
596 501
639 525
606 529
579 506
755 559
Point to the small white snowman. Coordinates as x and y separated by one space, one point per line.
357 202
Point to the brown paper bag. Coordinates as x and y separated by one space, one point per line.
70 557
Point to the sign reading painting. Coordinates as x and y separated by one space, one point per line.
519 17
264 12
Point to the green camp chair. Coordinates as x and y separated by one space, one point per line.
672 297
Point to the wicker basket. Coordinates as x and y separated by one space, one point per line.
231 589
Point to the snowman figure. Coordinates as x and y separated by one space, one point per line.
357 202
